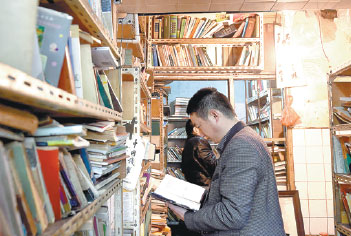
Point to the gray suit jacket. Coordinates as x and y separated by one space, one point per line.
243 198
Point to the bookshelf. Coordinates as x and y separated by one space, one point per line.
128 35
340 129
264 108
68 226
232 46
88 20
22 91
176 142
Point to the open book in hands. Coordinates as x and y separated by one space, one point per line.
179 192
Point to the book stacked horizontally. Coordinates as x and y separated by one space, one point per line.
179 105
106 151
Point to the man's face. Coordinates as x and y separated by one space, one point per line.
205 126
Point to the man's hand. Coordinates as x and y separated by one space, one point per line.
178 211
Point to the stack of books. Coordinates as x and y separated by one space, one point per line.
175 172
280 175
106 151
178 106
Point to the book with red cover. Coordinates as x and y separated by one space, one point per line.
49 161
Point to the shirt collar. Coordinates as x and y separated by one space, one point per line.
231 133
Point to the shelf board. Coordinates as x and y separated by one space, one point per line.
207 69
345 229
207 75
134 46
69 225
206 41
274 139
178 137
342 79
19 87
81 9
342 178
178 118
145 88
255 98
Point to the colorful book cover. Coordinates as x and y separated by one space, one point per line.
49 162
53 31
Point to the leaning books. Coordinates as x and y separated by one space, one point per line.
179 192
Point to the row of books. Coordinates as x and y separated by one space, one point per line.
174 154
177 132
254 114
194 56
66 59
181 26
50 174
256 87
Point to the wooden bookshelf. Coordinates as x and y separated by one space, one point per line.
339 86
19 87
344 229
220 42
206 41
68 226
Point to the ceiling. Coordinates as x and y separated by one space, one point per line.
167 6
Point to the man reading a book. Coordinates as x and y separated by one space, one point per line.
243 197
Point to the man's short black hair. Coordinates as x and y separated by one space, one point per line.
189 128
209 98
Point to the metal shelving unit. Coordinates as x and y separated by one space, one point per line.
339 86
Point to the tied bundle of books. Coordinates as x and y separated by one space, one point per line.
174 154
106 151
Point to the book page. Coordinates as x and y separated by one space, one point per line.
181 192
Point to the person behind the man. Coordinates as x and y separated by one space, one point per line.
243 197
198 160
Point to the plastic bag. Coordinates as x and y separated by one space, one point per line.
289 116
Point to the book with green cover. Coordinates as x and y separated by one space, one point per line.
103 92
173 26
18 158
167 27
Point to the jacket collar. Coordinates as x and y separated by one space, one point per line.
231 133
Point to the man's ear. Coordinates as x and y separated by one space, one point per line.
214 114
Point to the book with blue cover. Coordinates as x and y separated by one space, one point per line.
53 30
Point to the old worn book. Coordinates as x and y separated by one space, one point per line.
18 119
226 32
66 81
179 192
